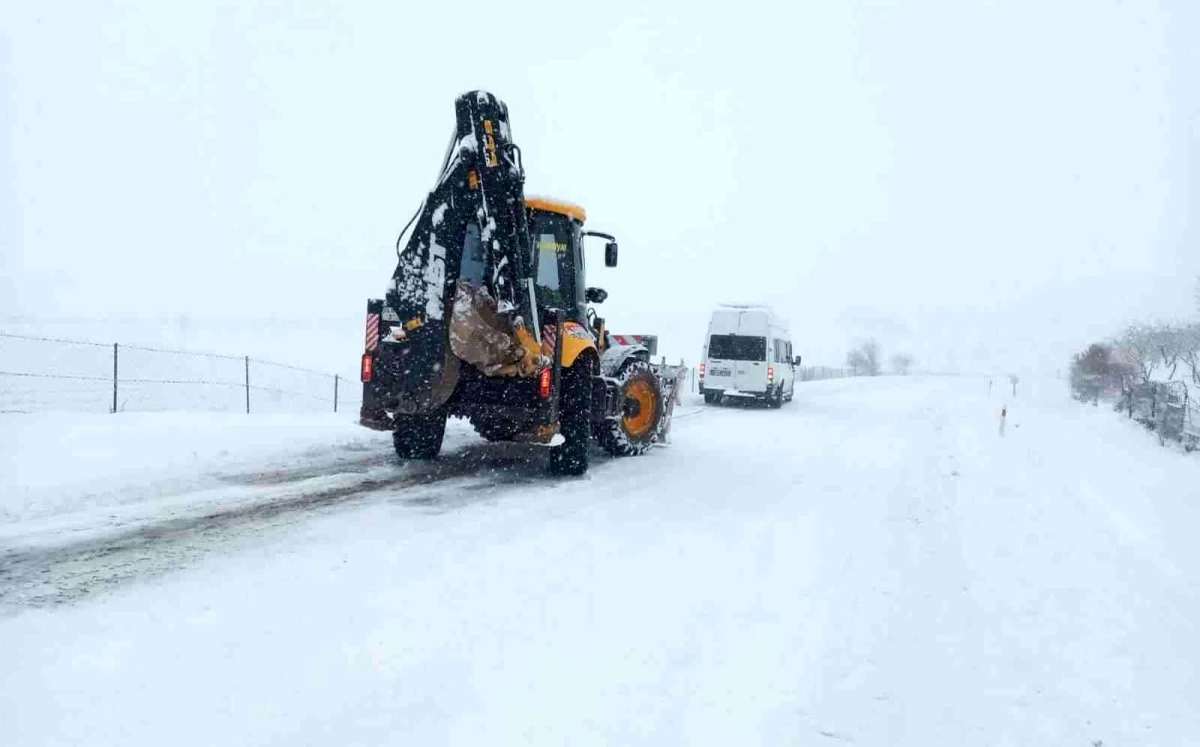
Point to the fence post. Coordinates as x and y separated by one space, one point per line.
335 388
247 385
114 407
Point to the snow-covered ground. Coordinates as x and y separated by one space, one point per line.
874 564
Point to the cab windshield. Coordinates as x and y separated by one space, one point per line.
555 240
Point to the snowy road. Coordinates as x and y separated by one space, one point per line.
874 564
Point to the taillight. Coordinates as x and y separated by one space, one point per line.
770 374
544 384
368 367
702 370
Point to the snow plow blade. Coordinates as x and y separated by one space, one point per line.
671 380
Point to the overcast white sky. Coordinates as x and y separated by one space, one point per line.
986 184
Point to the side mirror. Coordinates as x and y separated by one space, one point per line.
596 295
610 254
797 361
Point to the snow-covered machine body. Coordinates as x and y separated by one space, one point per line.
487 317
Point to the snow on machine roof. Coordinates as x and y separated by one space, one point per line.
562 207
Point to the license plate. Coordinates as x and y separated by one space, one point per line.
720 371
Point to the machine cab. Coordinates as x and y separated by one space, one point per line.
556 240
557 259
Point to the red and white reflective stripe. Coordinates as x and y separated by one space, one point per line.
629 339
372 331
548 334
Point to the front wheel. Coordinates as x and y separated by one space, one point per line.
419 436
641 397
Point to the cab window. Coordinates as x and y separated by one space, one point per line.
555 240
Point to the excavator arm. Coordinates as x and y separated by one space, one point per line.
478 197
481 181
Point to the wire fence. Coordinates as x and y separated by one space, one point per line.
48 373
1166 407
820 373
51 373
1171 409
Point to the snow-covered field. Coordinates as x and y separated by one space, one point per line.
875 564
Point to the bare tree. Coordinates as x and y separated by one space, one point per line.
1189 349
855 362
865 359
1090 372
1168 346
1125 370
874 358
902 363
1137 348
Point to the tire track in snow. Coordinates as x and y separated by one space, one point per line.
66 572
62 571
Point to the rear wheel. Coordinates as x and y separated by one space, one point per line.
712 398
571 456
636 430
419 436
776 402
